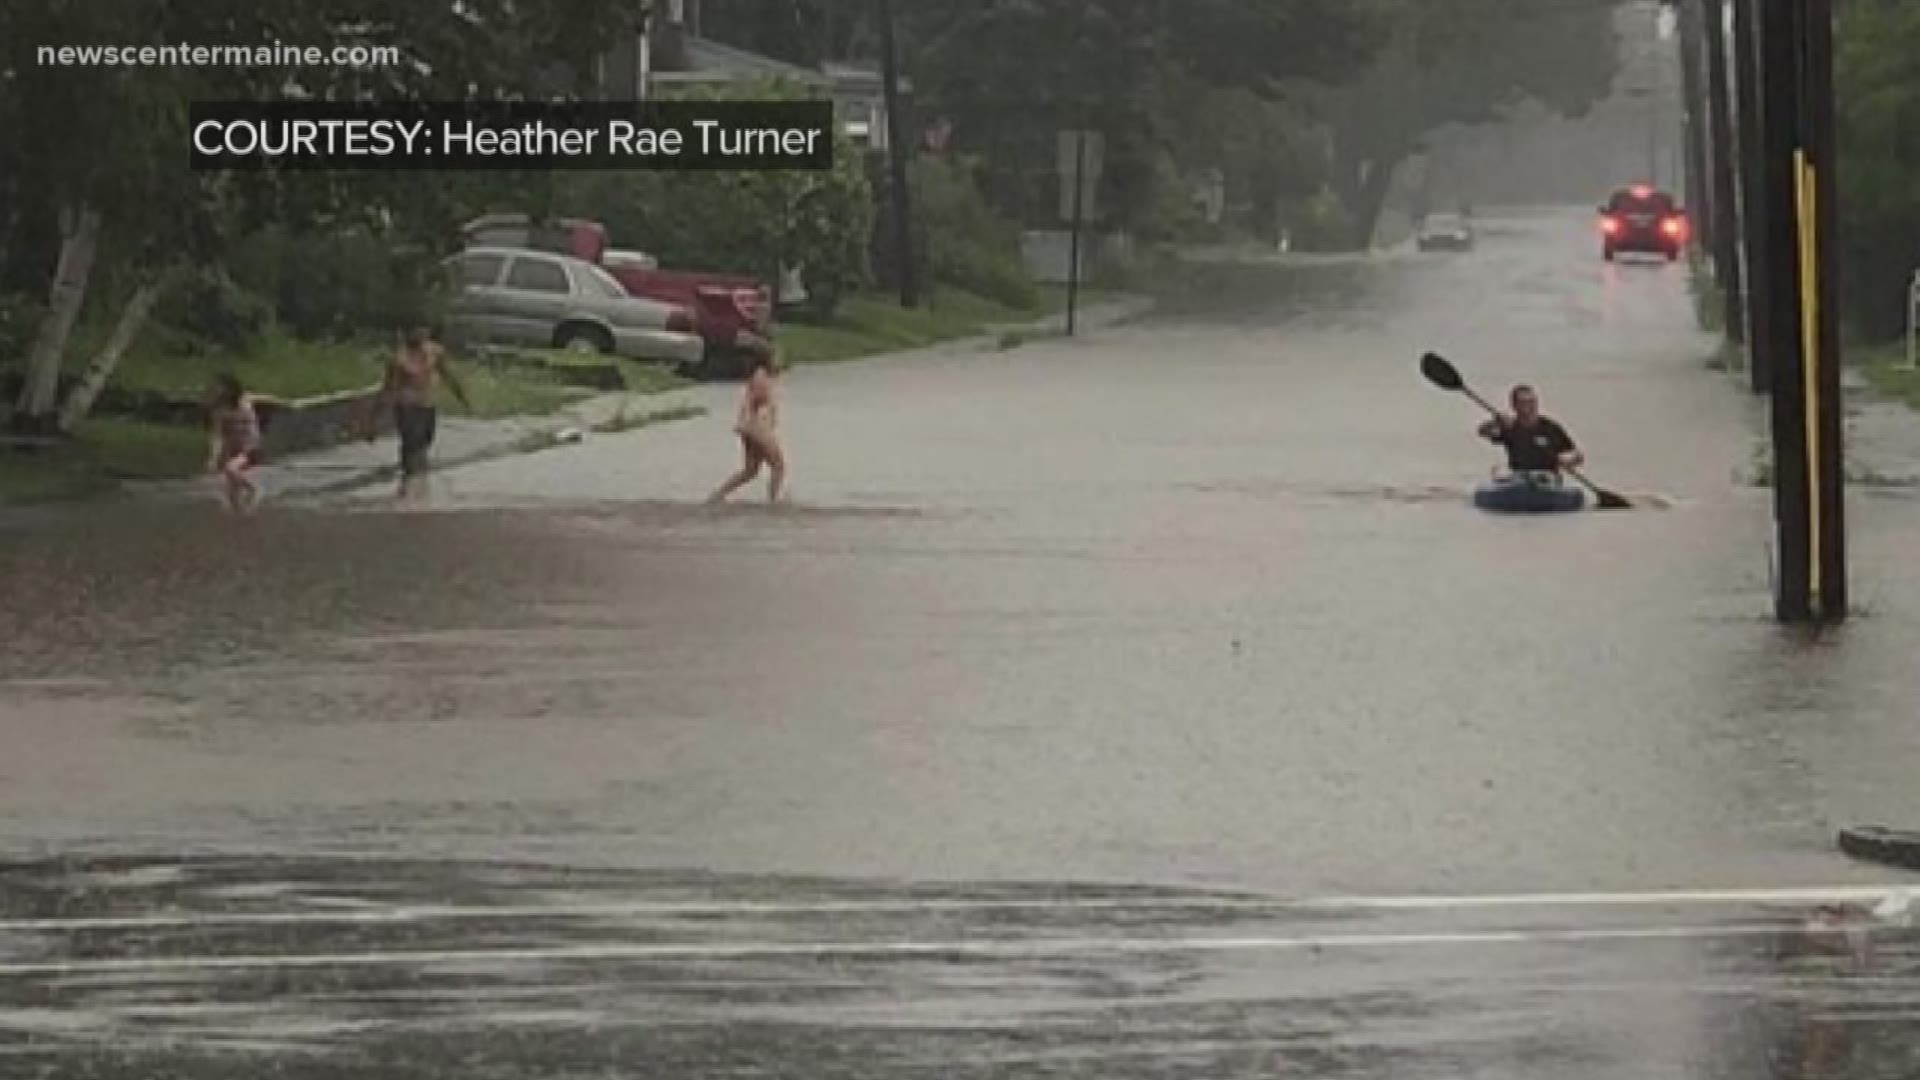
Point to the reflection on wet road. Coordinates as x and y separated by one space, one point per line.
1192 605
347 970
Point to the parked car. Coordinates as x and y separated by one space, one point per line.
1642 219
514 296
733 313
1445 232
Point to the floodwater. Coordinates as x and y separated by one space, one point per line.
1181 635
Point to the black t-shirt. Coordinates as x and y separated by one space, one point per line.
1536 447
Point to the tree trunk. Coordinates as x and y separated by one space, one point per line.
1369 200
132 318
79 241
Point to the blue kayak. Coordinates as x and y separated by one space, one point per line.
1528 493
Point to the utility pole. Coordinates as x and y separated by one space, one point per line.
1762 292
1779 214
897 163
643 54
1820 198
1726 216
1693 124
1799 211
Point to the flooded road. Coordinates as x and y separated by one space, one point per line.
1195 605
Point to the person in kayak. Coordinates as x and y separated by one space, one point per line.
1535 443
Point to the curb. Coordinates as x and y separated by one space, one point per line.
547 436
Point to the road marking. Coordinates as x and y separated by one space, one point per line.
887 949
442 912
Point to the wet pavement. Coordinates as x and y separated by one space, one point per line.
1193 606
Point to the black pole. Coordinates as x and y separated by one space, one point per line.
1780 54
1726 214
1693 124
1750 138
897 163
1073 251
1817 138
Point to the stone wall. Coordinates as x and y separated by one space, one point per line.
317 423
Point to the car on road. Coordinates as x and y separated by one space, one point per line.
1445 232
512 296
1644 220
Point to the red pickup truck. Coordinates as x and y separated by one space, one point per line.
733 312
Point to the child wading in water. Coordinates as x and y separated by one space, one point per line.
234 442
759 441
413 375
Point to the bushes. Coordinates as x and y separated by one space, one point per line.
205 310
19 321
1321 223
1878 69
966 245
740 222
336 285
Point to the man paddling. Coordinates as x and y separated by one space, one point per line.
1535 443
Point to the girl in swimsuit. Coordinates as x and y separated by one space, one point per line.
234 442
759 441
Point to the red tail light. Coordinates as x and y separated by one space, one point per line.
1674 226
681 320
1609 225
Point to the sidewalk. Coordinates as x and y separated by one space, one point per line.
464 441
460 441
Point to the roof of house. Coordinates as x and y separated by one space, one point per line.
709 61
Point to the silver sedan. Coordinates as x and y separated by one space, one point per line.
513 296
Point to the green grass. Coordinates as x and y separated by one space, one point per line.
279 366
1709 299
139 450
867 324
1885 369
52 476
645 378
497 393
103 452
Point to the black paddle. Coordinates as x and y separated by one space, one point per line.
1445 376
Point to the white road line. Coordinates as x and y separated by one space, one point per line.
880 949
668 908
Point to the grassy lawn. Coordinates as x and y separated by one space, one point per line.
104 452
1885 369
108 449
279 366
1709 299
870 324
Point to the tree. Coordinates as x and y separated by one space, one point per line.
1877 70
124 192
1012 73
1466 61
804 32
759 222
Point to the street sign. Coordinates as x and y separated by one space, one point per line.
1072 164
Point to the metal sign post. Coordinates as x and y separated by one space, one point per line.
1913 322
1080 163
